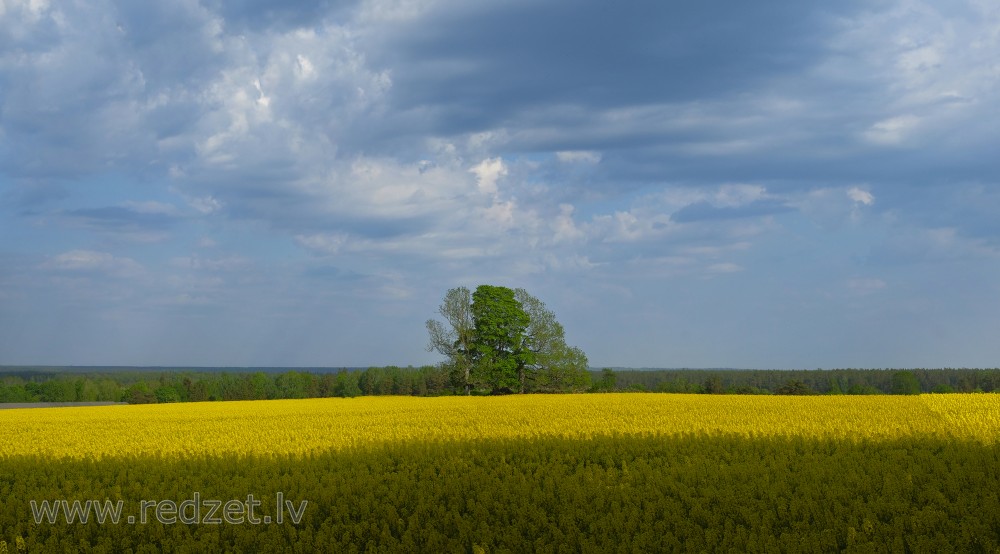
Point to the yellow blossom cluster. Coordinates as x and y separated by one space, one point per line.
301 427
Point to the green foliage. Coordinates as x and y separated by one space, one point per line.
166 394
829 381
500 350
503 341
905 382
557 368
58 390
607 494
562 369
455 340
794 387
346 385
139 393
608 381
713 385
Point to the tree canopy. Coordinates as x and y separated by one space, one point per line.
505 340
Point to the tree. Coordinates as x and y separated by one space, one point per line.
455 340
795 387
346 384
564 370
608 382
166 393
139 393
557 367
499 350
505 340
905 382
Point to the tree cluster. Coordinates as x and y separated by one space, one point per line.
801 382
503 341
146 387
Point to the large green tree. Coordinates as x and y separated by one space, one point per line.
500 354
505 340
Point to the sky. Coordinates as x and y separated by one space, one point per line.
684 184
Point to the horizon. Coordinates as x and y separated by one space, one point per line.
220 184
333 368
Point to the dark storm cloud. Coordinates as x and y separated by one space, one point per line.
474 65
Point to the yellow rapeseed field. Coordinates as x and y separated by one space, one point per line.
299 427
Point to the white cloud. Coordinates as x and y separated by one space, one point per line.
500 213
262 99
892 131
205 204
304 68
563 225
488 172
832 207
33 9
860 196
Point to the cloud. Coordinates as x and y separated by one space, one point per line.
581 56
578 156
258 15
255 148
892 131
488 172
205 204
89 261
565 229
945 245
322 243
860 196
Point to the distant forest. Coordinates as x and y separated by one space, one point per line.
160 385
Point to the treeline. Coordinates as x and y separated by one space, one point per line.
145 386
813 381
